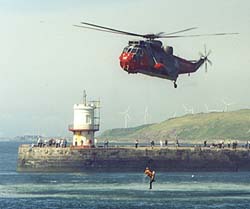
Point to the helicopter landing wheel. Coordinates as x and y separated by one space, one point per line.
175 85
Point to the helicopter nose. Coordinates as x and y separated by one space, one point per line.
125 60
127 57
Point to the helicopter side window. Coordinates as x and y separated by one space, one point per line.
134 50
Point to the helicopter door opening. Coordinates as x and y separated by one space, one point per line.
137 54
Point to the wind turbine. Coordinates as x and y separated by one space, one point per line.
146 115
126 117
211 110
227 105
174 115
188 110
206 107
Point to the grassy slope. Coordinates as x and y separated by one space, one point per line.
197 127
122 133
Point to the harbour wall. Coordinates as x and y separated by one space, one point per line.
127 159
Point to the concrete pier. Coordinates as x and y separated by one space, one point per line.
126 159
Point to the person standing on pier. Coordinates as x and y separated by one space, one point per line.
166 143
205 143
152 144
39 142
106 143
136 143
177 143
161 143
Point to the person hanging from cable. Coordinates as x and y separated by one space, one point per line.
151 175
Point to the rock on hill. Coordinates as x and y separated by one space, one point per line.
190 128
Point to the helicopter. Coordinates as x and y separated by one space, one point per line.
150 57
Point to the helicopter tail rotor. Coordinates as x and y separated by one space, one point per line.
204 56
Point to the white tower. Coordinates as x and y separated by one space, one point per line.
86 122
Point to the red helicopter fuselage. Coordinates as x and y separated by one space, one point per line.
150 58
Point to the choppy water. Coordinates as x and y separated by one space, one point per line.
118 190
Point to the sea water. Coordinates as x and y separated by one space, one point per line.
118 190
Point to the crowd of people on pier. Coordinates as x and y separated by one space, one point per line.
226 144
230 144
62 142
161 143
51 142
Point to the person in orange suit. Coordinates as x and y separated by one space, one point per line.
151 175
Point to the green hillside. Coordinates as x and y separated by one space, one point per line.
190 128
122 133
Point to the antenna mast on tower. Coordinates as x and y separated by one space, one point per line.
84 98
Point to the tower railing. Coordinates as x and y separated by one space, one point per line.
84 127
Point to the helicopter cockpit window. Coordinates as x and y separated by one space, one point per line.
129 50
125 49
133 50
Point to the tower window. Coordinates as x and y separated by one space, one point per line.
88 121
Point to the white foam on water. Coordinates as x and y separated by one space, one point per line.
43 189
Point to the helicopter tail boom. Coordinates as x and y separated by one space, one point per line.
186 66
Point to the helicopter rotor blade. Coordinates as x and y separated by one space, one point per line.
198 35
206 65
160 33
107 29
204 56
149 36
201 54
209 52
97 29
180 31
210 62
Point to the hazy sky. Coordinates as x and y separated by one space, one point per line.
46 63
